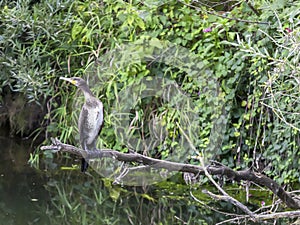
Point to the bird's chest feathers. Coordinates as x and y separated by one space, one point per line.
94 117
91 119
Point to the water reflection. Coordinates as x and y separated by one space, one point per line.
22 195
96 201
56 196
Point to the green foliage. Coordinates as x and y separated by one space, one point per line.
268 125
241 75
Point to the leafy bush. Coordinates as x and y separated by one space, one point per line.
243 90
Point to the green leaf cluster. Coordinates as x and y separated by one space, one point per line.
239 68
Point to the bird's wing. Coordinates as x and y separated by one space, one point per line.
100 117
82 124
99 120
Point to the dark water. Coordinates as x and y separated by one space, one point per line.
58 196
22 193
66 196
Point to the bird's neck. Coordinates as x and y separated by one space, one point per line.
88 95
87 92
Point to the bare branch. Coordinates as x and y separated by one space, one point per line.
233 201
222 170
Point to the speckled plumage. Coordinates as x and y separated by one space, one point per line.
90 123
90 119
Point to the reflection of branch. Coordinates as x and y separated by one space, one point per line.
247 175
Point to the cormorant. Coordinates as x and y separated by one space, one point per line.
90 119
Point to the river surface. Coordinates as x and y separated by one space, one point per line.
22 191
58 193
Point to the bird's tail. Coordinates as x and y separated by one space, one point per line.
84 165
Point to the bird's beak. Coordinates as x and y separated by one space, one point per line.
68 79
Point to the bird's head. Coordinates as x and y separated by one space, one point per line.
77 81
